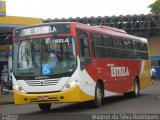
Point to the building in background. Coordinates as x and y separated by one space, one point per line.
154 46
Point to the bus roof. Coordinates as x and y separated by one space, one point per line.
101 29
111 31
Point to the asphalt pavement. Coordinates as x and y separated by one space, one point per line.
148 103
6 99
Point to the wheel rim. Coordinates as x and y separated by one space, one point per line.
136 88
99 95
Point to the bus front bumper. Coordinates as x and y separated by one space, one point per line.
71 95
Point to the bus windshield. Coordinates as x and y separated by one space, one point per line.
45 56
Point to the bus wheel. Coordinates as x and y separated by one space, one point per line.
136 91
45 106
98 96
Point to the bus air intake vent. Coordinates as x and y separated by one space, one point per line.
42 82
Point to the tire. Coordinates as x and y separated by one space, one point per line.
5 90
136 92
98 101
45 106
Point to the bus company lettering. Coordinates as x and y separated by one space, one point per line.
44 29
38 30
119 71
56 41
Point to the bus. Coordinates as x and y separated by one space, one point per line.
65 62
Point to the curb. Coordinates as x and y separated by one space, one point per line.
7 100
5 103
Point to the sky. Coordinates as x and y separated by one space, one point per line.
76 8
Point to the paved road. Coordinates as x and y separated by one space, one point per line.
147 103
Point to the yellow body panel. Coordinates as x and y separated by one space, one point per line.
72 95
145 78
23 21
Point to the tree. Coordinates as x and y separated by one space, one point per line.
155 7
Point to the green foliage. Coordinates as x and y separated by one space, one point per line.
155 7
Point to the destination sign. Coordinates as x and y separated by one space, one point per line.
45 29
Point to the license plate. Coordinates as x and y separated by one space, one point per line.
42 98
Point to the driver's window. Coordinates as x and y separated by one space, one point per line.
83 43
83 48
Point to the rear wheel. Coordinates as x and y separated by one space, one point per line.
98 96
136 92
45 106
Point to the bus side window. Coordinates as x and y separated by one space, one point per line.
83 48
146 57
99 45
92 45
129 53
144 51
83 43
118 48
136 47
108 43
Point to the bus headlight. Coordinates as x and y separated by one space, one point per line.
18 88
70 84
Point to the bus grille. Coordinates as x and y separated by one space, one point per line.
42 82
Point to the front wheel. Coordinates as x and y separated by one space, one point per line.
45 106
5 90
98 96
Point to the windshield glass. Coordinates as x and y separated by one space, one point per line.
46 56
